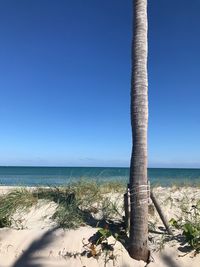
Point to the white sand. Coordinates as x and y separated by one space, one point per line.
34 240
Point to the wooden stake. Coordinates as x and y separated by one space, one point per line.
127 210
160 212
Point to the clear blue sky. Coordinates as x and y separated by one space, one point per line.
65 82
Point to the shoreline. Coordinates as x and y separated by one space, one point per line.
123 185
59 176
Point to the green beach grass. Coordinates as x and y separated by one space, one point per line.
75 202
90 203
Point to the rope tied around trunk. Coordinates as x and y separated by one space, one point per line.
140 194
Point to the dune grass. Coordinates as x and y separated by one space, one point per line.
18 199
74 201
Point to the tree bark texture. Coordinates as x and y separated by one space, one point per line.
138 247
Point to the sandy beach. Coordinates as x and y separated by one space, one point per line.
35 239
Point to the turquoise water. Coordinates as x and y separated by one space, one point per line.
37 176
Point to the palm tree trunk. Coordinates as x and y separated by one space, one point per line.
138 247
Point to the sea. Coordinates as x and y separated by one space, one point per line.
57 176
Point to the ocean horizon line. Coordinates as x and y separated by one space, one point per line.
76 166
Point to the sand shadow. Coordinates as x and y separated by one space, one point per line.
28 258
116 228
184 246
169 261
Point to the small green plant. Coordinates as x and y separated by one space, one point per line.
98 248
99 245
190 226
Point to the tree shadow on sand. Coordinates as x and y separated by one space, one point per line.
28 258
116 228
31 258
184 247
169 261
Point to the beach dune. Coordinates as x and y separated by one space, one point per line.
39 242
